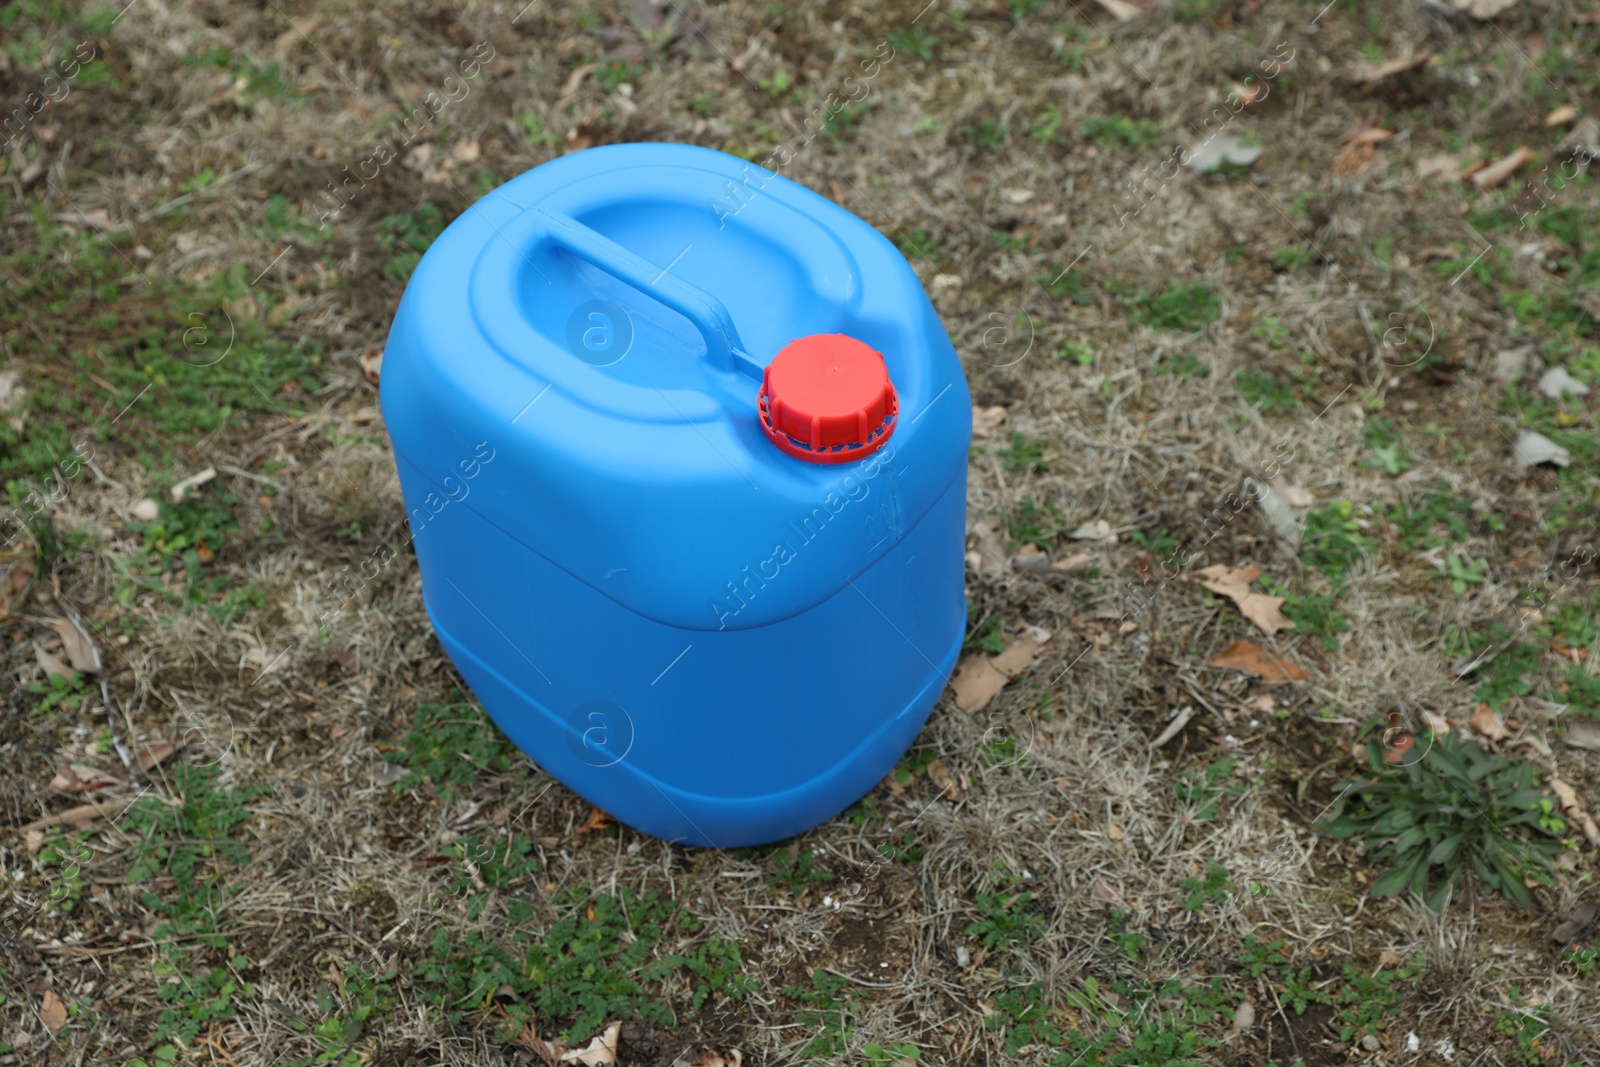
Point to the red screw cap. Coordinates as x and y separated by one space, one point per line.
827 398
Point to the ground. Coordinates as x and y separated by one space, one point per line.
1316 358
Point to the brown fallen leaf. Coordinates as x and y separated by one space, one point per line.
1253 659
1078 561
940 775
1391 67
575 79
549 1052
597 820
15 582
988 555
52 1012
1370 135
1443 168
599 1052
1573 806
1102 894
51 665
1487 723
77 646
704 1057
1561 115
1244 1017
1124 10
155 754
1396 751
1492 175
1437 723
1574 922
979 677
77 778
1584 733
1115 832
985 421
371 363
1259 608
1482 10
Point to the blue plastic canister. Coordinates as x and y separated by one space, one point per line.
717 627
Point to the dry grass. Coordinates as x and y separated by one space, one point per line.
312 690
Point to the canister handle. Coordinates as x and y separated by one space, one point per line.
706 312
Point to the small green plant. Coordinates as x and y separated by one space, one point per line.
449 745
902 849
831 1003
1078 352
797 871
1461 573
1026 453
1263 391
482 867
1178 307
1432 521
70 692
1455 818
1199 790
1182 365
918 244
612 75
600 959
1388 447
540 136
1525 1024
404 237
988 634
1007 919
1047 127
915 42
1316 616
1162 544
350 1013
1505 676
1580 692
1111 132
1333 542
913 763
1213 888
876 1055
1034 525
987 135
776 85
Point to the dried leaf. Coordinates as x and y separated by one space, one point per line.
371 363
1557 381
77 778
1102 894
1123 10
1482 10
1487 723
1279 515
704 1057
985 421
979 677
79 649
51 665
597 820
1179 721
1501 169
1253 659
1391 67
1574 922
1244 1017
1437 723
1561 115
1370 135
940 775
1099 530
1078 561
1533 449
179 491
1439 167
154 755
1584 733
598 1052
1259 608
1574 807
145 510
1293 495
989 547
1115 832
52 1012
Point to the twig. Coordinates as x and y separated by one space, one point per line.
81 813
